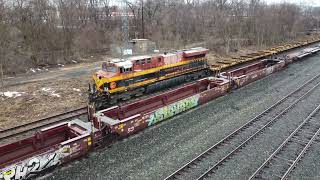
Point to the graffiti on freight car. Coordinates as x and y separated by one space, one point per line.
173 109
33 166
269 70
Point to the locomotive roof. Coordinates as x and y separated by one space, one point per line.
122 62
125 64
128 60
194 50
133 58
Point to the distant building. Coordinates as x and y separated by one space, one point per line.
136 46
142 46
121 14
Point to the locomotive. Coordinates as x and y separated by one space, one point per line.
123 79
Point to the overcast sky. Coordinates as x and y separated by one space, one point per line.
303 2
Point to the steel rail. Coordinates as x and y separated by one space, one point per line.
300 155
285 142
24 128
240 129
59 118
254 135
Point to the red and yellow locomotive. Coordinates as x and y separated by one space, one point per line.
122 79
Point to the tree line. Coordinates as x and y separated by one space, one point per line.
41 32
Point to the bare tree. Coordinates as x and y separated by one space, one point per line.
39 32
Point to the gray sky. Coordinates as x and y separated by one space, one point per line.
303 2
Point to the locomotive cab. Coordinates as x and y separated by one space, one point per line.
117 67
105 78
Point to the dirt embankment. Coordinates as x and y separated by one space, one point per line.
32 101
25 99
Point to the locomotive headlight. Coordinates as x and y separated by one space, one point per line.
113 85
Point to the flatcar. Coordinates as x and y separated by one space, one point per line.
122 79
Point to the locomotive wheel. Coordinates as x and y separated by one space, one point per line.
188 78
139 92
113 101
126 97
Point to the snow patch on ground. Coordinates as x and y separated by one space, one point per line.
52 92
75 89
74 61
11 94
35 70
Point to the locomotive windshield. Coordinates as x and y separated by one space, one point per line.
109 67
112 69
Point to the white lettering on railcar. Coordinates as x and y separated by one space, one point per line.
33 166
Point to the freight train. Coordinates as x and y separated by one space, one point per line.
64 142
122 79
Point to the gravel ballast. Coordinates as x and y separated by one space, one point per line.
158 151
249 158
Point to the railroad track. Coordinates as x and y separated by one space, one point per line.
284 159
28 127
24 128
238 139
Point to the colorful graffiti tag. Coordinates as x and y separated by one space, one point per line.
173 109
33 166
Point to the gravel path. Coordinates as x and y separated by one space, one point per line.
158 151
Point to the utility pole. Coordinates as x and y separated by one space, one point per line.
1 71
125 28
142 19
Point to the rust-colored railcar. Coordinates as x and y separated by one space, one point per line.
46 149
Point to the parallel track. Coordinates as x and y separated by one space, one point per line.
63 117
280 163
241 136
24 128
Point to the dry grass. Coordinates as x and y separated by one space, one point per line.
41 99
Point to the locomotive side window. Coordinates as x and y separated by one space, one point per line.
143 61
124 70
138 62
149 60
159 59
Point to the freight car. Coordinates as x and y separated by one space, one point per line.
122 79
45 150
294 56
